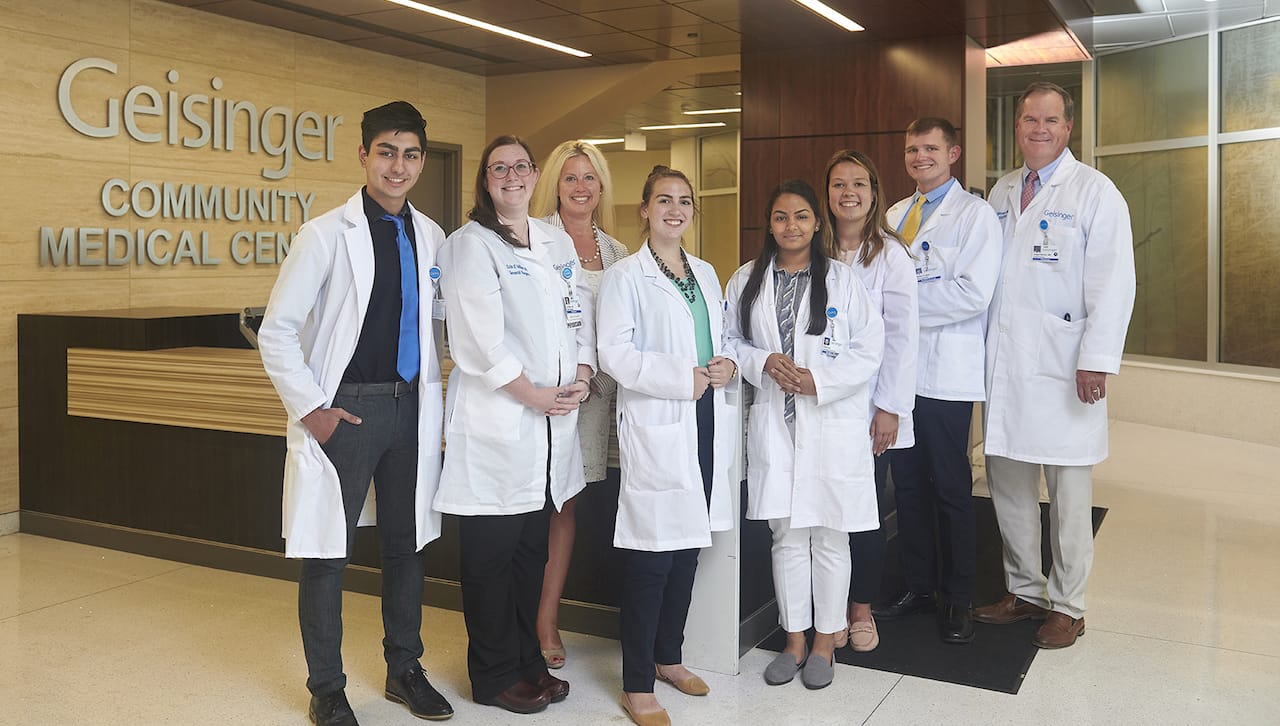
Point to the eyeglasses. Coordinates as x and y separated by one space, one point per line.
499 169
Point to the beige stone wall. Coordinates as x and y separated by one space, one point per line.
51 175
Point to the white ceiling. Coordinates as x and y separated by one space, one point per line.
1122 23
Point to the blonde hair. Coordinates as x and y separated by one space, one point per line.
546 193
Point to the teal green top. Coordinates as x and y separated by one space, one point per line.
701 323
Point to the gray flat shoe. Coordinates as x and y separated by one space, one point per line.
781 670
817 673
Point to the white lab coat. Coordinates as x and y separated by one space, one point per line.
819 479
1033 351
963 262
506 316
307 338
891 284
646 340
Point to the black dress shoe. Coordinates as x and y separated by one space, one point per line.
332 709
908 603
956 624
557 689
414 690
520 697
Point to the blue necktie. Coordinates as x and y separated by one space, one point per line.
408 360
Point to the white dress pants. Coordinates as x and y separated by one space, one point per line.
1015 492
811 569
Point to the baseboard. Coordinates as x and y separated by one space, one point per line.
757 626
578 617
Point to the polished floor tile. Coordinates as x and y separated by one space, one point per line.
1182 629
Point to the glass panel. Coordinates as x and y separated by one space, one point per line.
719 168
1160 92
1166 192
1250 67
1251 254
718 233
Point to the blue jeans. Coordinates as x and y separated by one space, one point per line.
384 448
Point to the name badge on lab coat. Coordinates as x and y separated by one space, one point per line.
437 304
927 270
830 347
1045 250
572 306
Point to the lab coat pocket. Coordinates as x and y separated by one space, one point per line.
491 415
1060 346
758 434
957 362
656 456
845 448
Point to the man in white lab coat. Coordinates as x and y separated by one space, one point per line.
1055 332
347 341
955 240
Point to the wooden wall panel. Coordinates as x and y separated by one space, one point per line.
801 104
52 176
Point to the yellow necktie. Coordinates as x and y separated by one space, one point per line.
912 226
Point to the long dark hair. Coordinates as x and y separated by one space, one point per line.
484 212
818 245
876 231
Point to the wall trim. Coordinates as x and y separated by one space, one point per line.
8 523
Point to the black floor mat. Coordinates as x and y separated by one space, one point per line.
999 656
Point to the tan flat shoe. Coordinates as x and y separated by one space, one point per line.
652 718
691 686
863 636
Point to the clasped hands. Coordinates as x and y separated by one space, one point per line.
790 377
716 373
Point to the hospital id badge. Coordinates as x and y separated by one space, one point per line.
928 271
572 312
1045 250
830 348
437 309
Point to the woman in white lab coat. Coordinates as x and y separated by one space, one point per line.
661 338
803 327
521 336
855 208
576 194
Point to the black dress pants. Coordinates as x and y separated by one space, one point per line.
657 587
503 558
933 485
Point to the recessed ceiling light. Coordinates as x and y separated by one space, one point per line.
831 15
490 27
601 142
707 111
668 127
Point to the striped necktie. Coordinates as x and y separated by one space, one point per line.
787 331
911 227
408 357
1029 189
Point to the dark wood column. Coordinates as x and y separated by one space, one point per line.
803 103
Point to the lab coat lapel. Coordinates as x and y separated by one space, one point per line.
358 242
765 315
659 280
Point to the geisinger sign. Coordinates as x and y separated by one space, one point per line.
188 120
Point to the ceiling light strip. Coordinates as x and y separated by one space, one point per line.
601 142
490 27
708 111
668 127
828 13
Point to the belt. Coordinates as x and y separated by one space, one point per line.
395 390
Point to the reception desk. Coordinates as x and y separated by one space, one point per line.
156 431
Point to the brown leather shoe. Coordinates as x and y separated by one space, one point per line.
1009 609
520 697
1059 631
556 689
